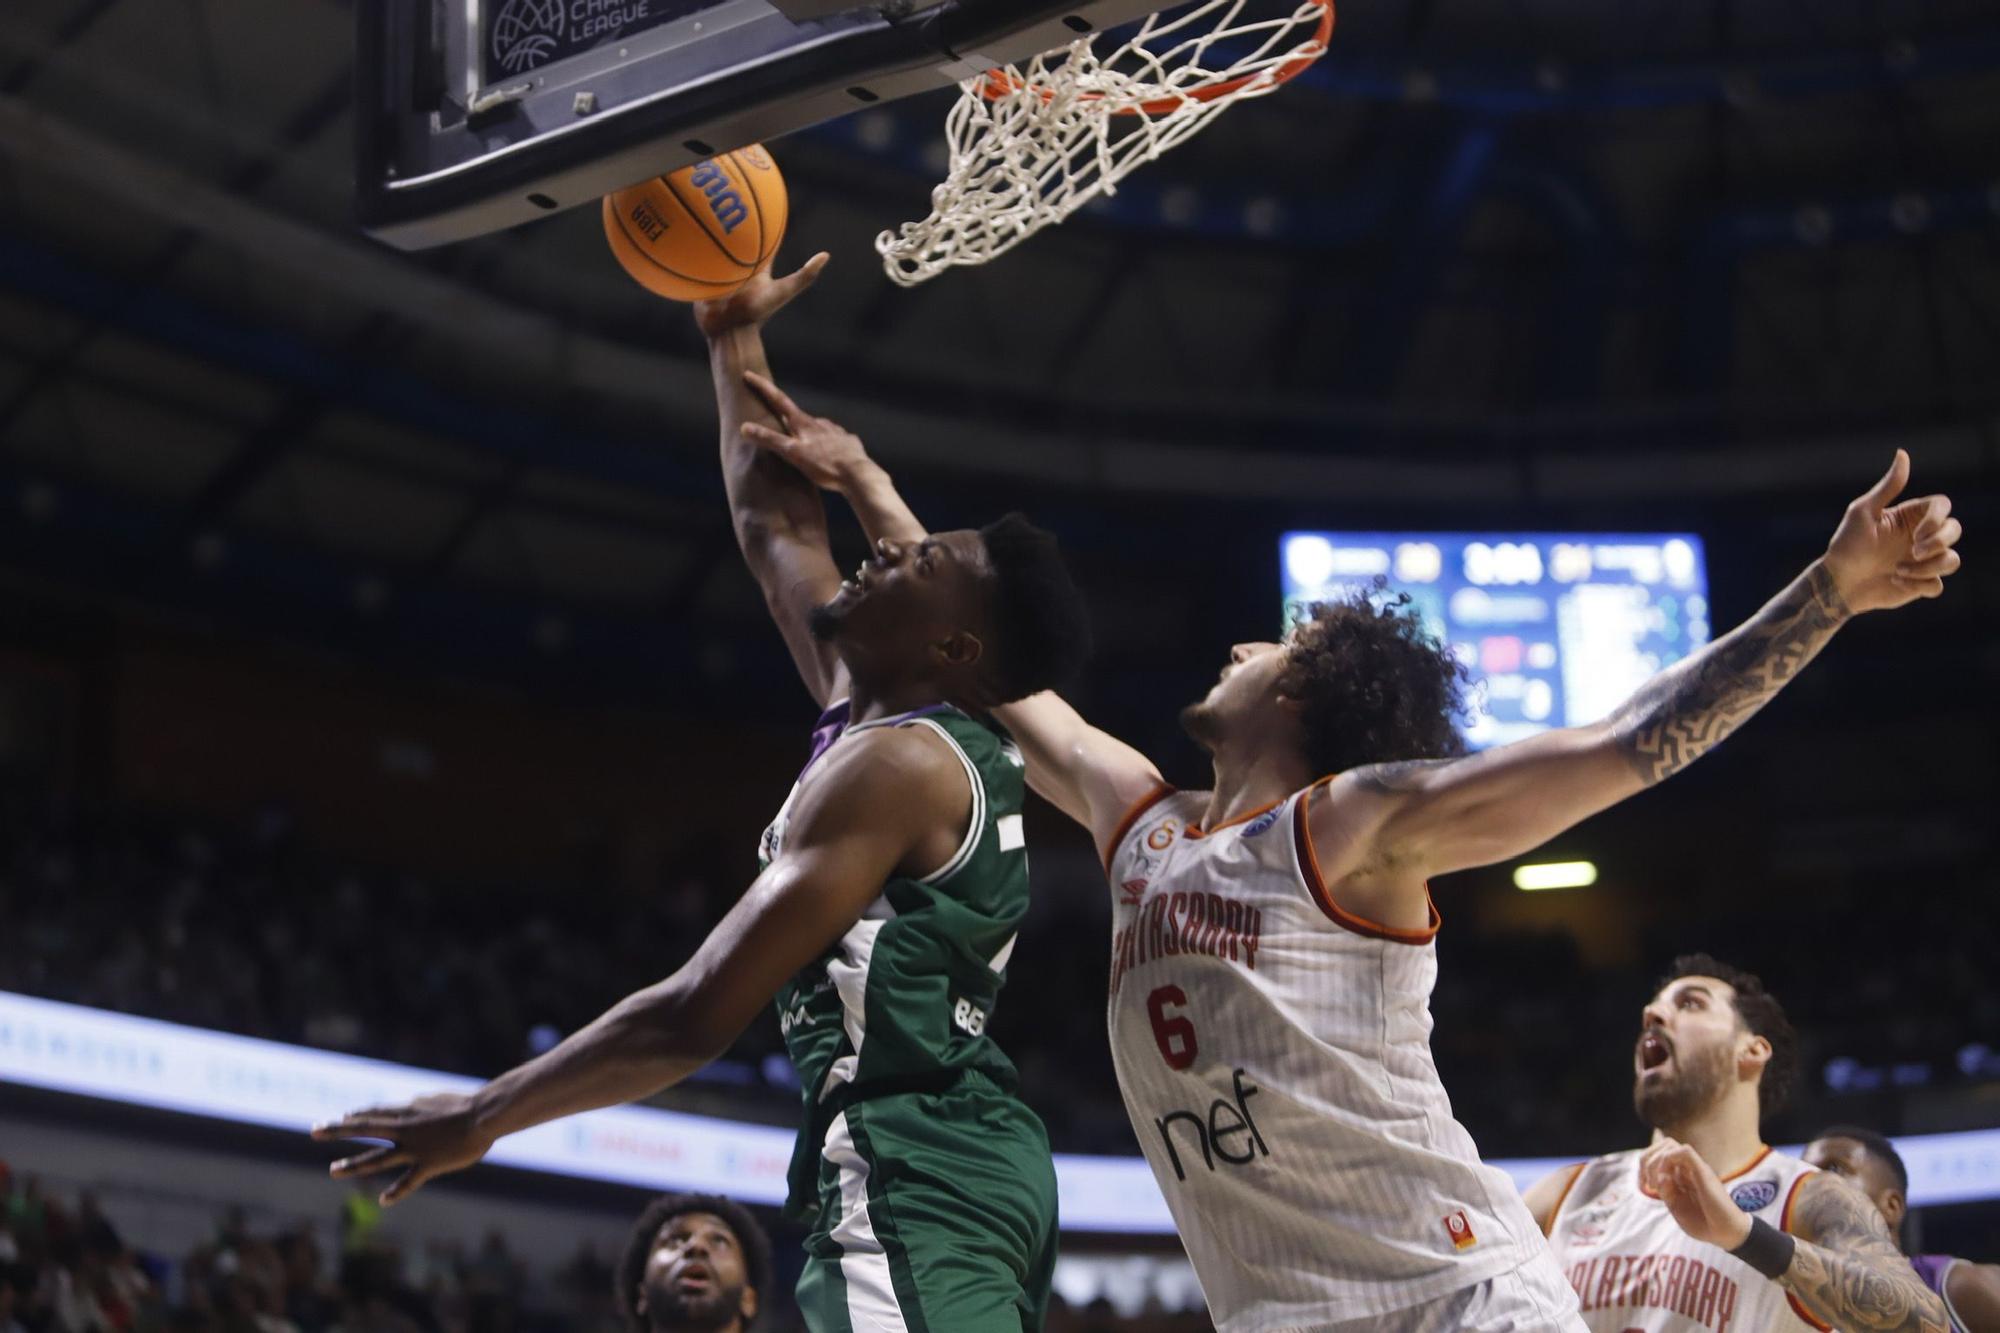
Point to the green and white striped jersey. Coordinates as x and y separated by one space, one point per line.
903 998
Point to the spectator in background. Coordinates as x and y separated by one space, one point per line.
9 1300
1971 1291
694 1262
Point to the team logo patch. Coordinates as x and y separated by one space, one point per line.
1754 1196
1260 823
1163 837
1459 1228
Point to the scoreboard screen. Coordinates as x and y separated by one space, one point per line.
1555 629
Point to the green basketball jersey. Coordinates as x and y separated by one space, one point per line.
902 999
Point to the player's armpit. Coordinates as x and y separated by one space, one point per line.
1975 1293
1545 1197
888 801
1847 1271
1089 775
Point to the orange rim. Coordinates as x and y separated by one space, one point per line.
999 83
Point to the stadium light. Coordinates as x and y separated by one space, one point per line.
1555 875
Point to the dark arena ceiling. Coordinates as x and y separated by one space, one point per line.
1543 253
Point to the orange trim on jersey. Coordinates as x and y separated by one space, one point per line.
1785 1225
1340 916
1139 807
1742 1170
1575 1174
1197 831
1804 1313
1748 1166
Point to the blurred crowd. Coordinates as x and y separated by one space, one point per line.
65 1268
251 930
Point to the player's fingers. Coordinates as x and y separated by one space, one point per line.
369 1124
369 1163
1919 587
1937 567
1879 496
764 437
804 276
774 397
1942 538
405 1185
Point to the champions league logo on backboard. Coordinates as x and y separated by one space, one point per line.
524 35
527 33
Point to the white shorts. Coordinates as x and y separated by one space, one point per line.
1533 1298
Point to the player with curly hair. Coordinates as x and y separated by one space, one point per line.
1273 947
695 1263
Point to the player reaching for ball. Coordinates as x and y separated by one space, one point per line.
1708 1228
894 881
1273 949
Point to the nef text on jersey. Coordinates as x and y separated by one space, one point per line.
1179 923
1226 1119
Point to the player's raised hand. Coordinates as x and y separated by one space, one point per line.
431 1136
1886 554
750 305
829 454
1693 1194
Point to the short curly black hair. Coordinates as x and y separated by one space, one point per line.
1759 1011
756 1246
1878 1146
1374 686
1040 621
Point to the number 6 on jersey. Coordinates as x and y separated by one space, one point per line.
1173 1032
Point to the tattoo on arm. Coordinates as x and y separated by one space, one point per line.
1693 706
1849 1273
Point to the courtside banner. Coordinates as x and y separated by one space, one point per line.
145 1062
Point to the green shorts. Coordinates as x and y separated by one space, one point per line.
937 1214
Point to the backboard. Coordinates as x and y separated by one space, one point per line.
477 115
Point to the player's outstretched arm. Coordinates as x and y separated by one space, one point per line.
779 520
876 812
1838 1260
1408 821
1092 777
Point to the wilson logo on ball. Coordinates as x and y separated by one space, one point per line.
724 202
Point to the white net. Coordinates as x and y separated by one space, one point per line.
1031 146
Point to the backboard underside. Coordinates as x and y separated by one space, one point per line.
478 115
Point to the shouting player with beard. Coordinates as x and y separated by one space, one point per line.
1274 940
1709 1229
696 1263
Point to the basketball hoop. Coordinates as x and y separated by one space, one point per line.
1031 146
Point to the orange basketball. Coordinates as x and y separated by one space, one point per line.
703 230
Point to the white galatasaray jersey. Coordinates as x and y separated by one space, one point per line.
1636 1271
1274 1055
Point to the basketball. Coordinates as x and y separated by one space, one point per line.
702 231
